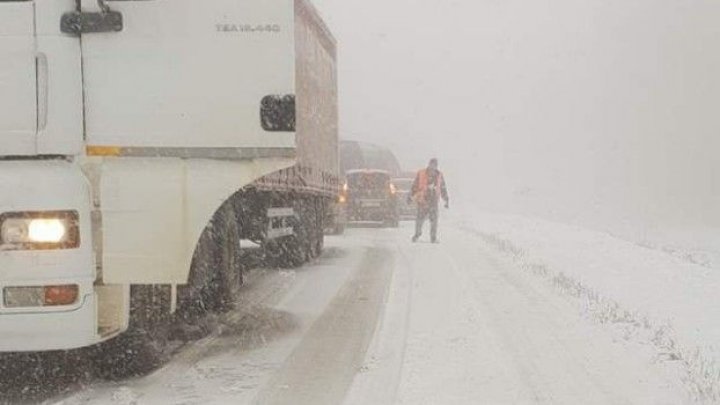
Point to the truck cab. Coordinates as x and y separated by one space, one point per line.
47 270
125 128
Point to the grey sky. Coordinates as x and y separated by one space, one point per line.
603 106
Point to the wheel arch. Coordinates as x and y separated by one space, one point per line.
152 240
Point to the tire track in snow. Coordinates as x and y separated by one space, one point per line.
322 367
379 380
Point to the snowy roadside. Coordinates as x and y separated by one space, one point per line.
655 298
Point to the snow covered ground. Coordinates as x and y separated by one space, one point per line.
463 325
507 310
659 297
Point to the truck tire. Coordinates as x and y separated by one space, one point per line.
292 251
228 278
318 245
132 354
216 271
144 346
316 229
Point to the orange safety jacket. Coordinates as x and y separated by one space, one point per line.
422 182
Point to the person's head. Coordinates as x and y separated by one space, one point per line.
433 164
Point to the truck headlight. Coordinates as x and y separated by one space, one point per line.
39 230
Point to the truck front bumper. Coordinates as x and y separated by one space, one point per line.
45 331
31 186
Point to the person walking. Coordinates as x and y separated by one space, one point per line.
429 186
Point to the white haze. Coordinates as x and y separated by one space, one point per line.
602 113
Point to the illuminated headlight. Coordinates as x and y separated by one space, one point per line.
39 230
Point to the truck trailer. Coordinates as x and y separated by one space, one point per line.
140 143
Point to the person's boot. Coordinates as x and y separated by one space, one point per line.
434 240
415 238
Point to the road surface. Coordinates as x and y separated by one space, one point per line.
378 320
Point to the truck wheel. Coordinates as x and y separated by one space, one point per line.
316 231
292 251
286 253
319 245
228 277
216 271
144 346
134 353
295 250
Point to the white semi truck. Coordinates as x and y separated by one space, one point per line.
140 142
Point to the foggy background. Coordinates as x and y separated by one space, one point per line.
597 113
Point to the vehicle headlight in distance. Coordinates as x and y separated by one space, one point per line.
43 230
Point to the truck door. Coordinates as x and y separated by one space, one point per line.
188 77
18 78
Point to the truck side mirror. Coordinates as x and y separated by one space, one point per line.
77 22
277 113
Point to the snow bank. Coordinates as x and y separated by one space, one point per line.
658 297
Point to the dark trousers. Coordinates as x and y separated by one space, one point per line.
424 212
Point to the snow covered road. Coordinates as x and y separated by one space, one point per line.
379 320
480 331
